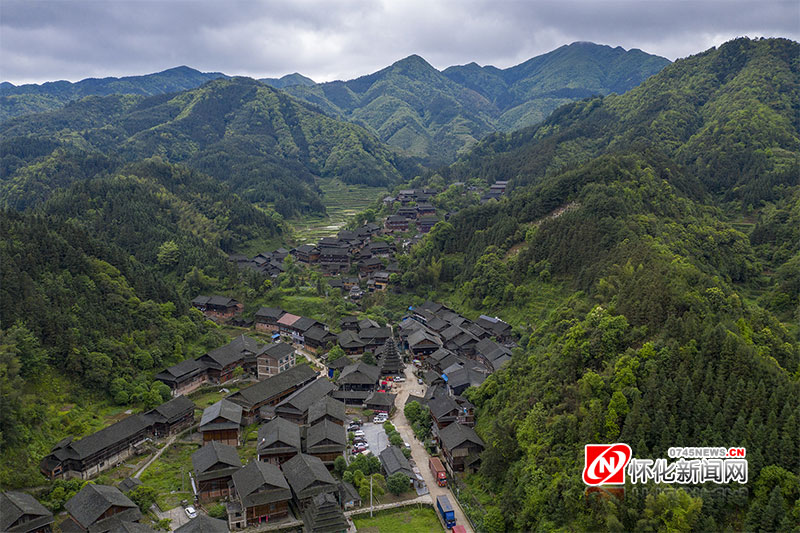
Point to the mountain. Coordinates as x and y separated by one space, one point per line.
287 81
266 146
412 106
648 255
33 98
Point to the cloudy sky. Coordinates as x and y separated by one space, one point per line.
328 39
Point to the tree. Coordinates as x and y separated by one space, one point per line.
395 439
397 483
369 358
168 254
218 511
335 353
144 497
339 466
412 411
493 520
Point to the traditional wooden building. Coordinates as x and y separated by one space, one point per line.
423 342
380 402
393 462
172 417
396 223
214 464
278 441
222 361
221 422
461 448
219 307
263 493
97 452
308 477
295 406
99 509
317 339
325 514
356 382
272 390
327 408
266 318
306 253
326 441
21 513
203 523
184 377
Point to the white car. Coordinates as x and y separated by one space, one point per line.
359 433
191 512
399 380
380 419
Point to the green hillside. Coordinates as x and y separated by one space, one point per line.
412 106
266 146
666 324
33 98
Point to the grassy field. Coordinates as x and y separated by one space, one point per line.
206 396
169 475
399 521
342 201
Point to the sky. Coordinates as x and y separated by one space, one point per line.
329 39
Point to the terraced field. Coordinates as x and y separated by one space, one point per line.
342 201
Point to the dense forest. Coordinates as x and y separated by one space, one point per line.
435 115
663 227
266 146
16 100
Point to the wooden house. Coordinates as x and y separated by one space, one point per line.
218 307
21 513
99 509
278 441
172 417
263 493
184 377
308 477
266 318
275 358
326 441
221 422
222 361
272 390
461 448
214 464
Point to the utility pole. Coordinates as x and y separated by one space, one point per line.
370 496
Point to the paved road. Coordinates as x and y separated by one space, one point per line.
418 451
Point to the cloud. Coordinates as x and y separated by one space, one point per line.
324 39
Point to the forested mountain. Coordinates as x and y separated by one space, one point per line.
412 106
654 238
33 98
287 81
265 145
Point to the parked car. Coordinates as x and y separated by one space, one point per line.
380 419
191 512
399 380
419 381
359 433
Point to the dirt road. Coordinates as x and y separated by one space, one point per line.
418 451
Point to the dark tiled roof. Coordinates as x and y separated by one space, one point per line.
200 299
317 334
171 410
299 401
456 434
442 405
184 368
383 399
278 350
470 376
359 373
215 453
304 323
92 501
421 335
326 406
350 339
279 430
117 432
129 483
394 461
306 472
204 524
269 312
224 408
340 363
222 301
326 430
14 505
233 351
273 386
260 482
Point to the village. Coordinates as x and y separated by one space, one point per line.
278 420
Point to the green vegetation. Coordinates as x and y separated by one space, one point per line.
436 115
655 296
266 146
420 518
23 99
168 476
